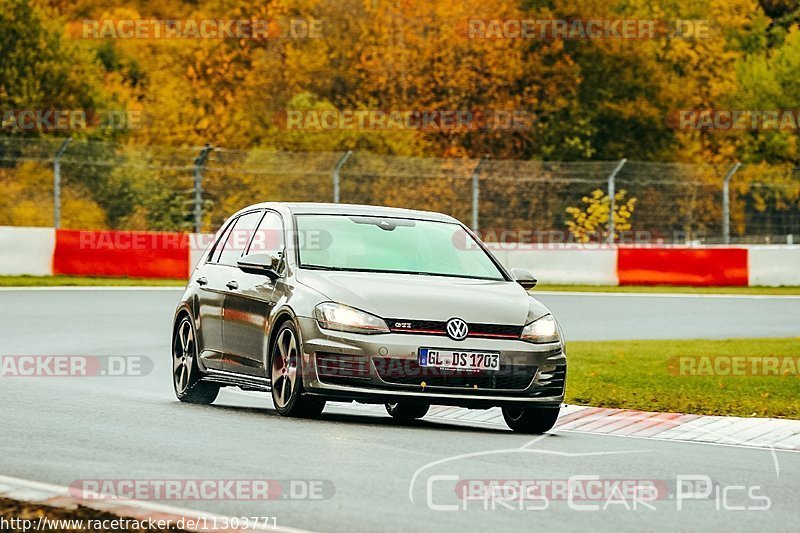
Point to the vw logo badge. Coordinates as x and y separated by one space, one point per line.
457 329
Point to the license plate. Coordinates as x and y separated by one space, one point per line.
458 359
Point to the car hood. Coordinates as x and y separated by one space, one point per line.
409 296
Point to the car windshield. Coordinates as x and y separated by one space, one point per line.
384 244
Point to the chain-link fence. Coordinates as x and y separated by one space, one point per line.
90 184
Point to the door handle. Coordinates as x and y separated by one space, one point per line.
232 285
201 281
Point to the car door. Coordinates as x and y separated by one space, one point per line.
211 278
215 282
249 304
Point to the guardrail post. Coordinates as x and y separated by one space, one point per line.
476 193
611 198
726 204
199 163
336 171
57 183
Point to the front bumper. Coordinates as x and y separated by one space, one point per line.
383 368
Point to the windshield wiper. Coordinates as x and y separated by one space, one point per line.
373 270
383 271
323 267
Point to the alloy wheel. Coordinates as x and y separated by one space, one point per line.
284 368
183 356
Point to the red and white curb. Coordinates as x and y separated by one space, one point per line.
58 496
773 433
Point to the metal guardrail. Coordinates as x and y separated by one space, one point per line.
168 188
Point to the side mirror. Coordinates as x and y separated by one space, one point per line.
524 278
261 264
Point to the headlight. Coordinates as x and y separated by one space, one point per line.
343 318
544 329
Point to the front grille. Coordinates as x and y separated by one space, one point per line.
408 372
342 368
438 327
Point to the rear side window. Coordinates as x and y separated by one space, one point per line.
220 242
237 238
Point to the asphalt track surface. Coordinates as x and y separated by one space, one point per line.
383 475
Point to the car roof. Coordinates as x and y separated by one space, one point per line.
313 208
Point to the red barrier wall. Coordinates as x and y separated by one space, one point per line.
682 266
121 253
167 255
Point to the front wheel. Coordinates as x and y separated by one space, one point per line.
531 419
406 412
287 379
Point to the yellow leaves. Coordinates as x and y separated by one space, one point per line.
588 222
26 199
26 213
406 54
81 213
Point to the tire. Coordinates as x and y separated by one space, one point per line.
532 420
286 377
186 375
407 411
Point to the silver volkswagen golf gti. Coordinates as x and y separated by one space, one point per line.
334 302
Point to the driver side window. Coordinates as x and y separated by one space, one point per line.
237 238
269 236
